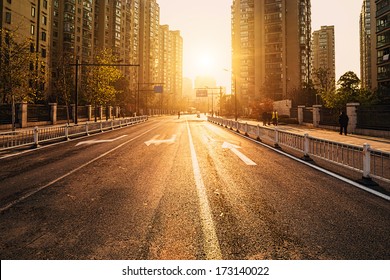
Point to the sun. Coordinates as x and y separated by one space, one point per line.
205 63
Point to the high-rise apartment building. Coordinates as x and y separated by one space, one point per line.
72 39
383 45
375 46
171 64
73 30
368 54
117 28
323 54
149 36
271 48
31 19
65 31
177 65
165 58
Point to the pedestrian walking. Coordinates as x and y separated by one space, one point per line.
275 118
264 117
269 118
343 121
178 114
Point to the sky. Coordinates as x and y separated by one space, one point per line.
205 28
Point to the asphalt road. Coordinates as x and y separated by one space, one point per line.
181 189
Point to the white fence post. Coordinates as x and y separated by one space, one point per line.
306 147
258 133
246 129
67 131
36 137
86 128
366 161
276 145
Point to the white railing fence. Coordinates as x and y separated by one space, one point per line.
36 136
370 162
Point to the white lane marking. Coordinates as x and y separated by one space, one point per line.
234 149
27 195
211 243
89 142
157 142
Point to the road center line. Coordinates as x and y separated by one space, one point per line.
27 195
211 243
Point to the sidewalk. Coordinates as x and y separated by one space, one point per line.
376 143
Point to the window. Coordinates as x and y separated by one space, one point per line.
32 29
45 4
33 11
8 17
43 52
43 36
44 20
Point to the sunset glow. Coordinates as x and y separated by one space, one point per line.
206 30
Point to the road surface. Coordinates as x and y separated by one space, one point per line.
181 189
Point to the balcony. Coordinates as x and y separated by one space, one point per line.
383 9
383 42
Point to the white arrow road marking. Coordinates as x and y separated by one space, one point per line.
157 142
234 149
99 141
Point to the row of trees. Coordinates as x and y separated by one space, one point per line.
324 91
24 78
24 75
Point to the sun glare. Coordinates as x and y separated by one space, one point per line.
205 63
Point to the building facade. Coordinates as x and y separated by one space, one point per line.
177 66
323 55
171 66
368 54
72 38
31 20
117 27
271 48
65 31
383 46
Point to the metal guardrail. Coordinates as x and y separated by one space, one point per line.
370 162
36 135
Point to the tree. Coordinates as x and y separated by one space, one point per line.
100 80
323 81
17 62
348 91
63 83
124 96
